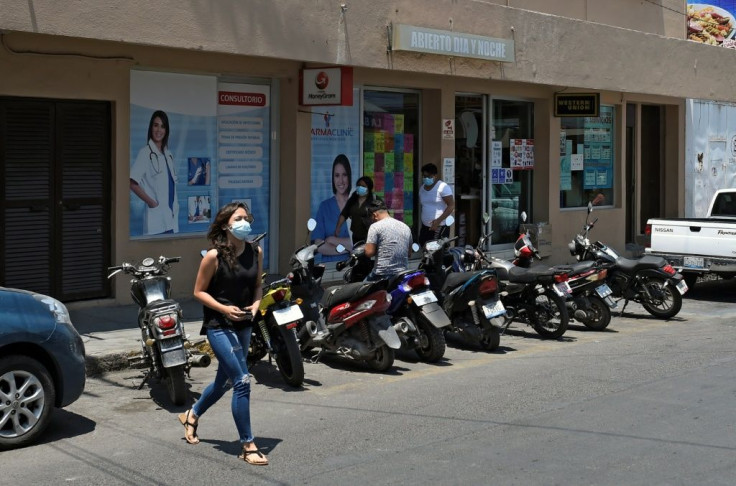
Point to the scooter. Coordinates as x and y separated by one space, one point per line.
416 315
166 351
347 320
470 299
648 280
274 330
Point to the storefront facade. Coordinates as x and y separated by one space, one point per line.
233 82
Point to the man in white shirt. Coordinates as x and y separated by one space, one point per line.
437 204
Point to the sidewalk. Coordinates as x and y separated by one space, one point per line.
110 331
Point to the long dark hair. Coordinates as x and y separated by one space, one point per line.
218 236
343 160
353 199
165 121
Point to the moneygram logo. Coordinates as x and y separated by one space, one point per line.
321 80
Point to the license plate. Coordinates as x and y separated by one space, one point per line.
494 310
682 287
426 297
603 291
287 315
693 262
563 289
169 344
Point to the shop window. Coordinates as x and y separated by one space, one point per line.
586 156
390 150
512 168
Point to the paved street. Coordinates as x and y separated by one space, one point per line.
647 402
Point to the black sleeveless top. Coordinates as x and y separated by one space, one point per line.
232 286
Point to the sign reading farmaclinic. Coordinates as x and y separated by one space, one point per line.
446 43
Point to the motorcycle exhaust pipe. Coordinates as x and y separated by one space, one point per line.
199 360
401 327
580 314
312 328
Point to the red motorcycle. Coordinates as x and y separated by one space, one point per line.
347 320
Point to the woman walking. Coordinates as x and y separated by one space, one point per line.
229 287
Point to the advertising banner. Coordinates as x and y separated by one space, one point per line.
243 156
173 142
335 133
710 153
712 23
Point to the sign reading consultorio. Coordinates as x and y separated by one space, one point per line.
446 43
577 104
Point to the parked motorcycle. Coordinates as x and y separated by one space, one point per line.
274 330
532 296
650 281
416 315
165 347
348 320
470 299
589 297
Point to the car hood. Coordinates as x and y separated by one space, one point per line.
23 318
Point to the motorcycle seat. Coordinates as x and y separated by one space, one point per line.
531 275
349 292
647 261
456 279
580 267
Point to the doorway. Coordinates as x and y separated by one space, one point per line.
55 196
470 158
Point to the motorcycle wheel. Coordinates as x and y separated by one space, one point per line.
383 360
600 314
549 315
431 342
288 356
490 339
665 301
175 385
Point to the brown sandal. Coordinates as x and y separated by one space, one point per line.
246 456
184 419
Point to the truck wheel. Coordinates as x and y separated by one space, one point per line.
690 279
600 314
663 300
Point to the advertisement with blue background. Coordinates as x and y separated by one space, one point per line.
335 134
196 145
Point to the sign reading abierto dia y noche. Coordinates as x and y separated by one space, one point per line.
712 23
196 144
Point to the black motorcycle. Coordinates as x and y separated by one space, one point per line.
649 280
470 299
165 348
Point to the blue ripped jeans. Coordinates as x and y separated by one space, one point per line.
231 349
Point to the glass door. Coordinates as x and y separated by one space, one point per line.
470 160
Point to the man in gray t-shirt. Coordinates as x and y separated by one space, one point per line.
389 240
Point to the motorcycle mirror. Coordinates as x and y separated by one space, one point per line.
449 220
486 217
340 248
522 216
311 224
203 253
415 247
590 207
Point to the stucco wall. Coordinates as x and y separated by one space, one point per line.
550 49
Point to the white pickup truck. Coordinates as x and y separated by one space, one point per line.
701 245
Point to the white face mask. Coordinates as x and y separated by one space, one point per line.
240 229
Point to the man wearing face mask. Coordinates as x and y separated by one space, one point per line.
437 203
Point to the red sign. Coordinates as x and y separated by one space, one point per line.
242 99
326 86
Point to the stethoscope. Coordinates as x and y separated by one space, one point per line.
152 154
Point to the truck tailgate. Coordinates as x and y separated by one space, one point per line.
716 238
